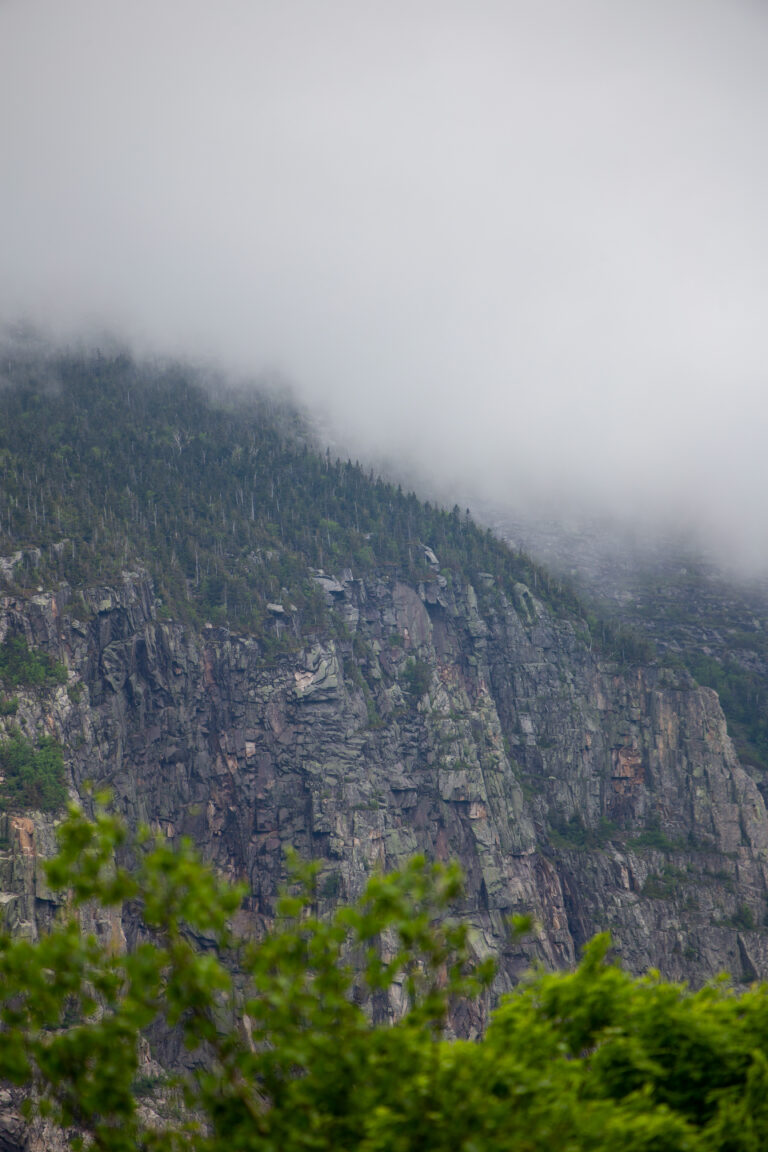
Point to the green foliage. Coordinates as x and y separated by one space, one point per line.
744 698
75 692
21 665
312 1047
574 833
743 919
10 706
417 677
619 641
663 885
653 837
331 885
32 777
224 502
589 1060
227 505
373 715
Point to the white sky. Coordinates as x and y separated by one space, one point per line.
521 245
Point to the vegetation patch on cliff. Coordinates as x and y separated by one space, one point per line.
22 666
32 777
573 833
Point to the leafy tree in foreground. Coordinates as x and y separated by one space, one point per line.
290 1061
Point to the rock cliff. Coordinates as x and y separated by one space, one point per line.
436 717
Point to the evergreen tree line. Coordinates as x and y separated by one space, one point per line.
226 501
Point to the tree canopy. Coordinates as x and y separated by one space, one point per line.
295 1051
220 495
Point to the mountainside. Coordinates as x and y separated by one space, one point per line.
256 646
691 611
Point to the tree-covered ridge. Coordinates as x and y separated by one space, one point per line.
104 464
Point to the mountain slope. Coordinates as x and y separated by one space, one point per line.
692 611
225 502
369 677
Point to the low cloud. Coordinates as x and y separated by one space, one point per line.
521 249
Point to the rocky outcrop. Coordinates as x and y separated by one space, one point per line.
444 719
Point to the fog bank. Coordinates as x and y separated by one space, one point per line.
518 248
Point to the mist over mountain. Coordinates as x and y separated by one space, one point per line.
517 249
253 645
256 644
383 414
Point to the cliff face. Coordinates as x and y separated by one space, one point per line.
439 718
695 610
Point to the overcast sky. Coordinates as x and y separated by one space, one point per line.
522 244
